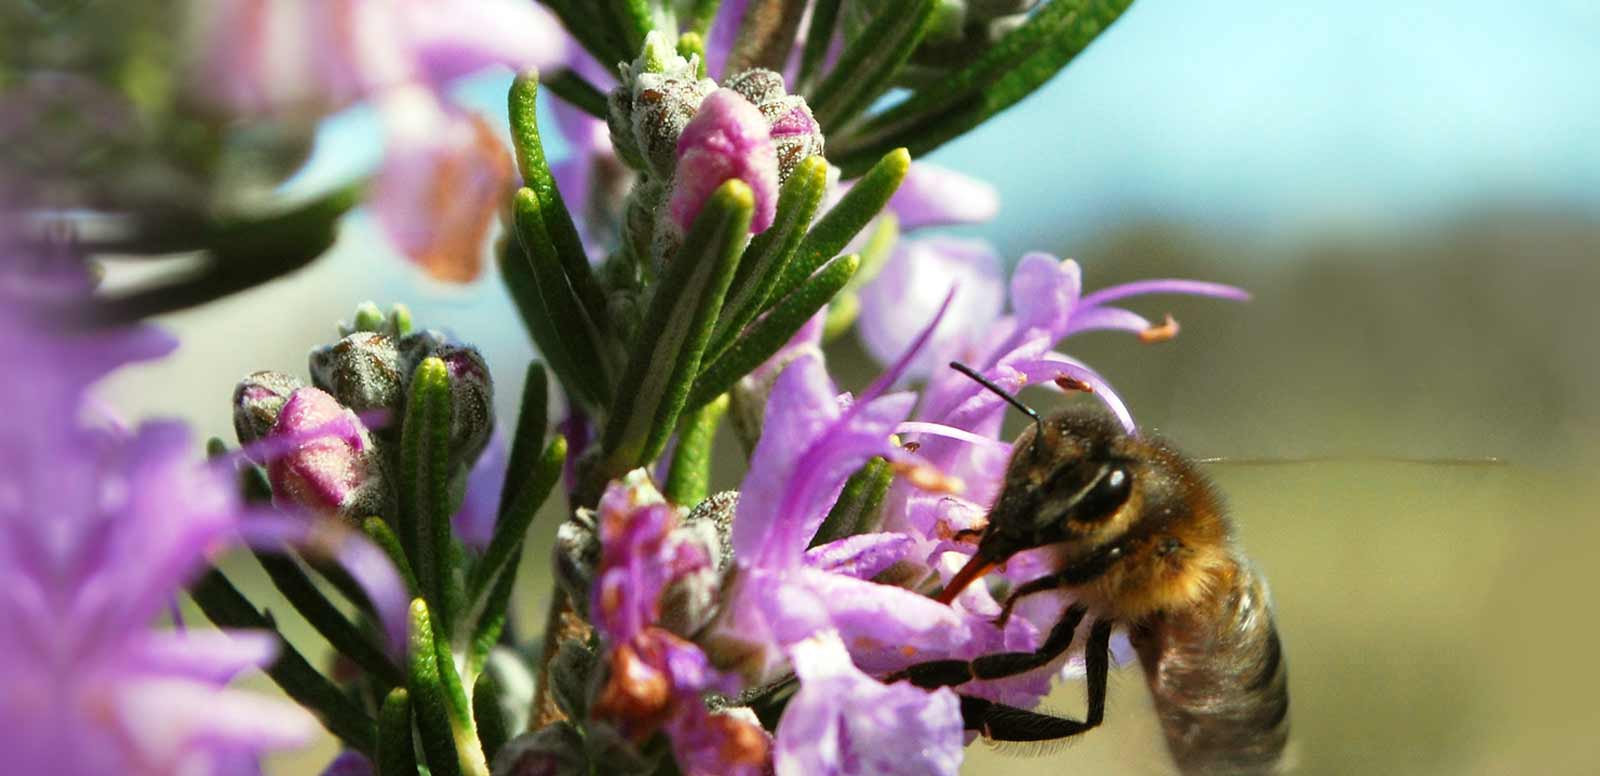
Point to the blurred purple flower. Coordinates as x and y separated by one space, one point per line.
656 680
441 182
277 57
905 294
728 139
444 173
99 530
480 507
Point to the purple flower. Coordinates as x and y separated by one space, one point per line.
656 679
480 507
99 530
440 185
444 173
905 295
842 722
727 140
265 57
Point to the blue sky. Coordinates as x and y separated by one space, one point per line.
1272 116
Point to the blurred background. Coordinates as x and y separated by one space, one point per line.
1412 193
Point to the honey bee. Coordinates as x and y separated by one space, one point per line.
1140 540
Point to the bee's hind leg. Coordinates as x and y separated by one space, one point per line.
1009 723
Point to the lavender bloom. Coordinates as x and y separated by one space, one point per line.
917 275
656 679
727 140
98 531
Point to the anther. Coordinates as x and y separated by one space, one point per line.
924 477
1167 330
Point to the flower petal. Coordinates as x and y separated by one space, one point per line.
861 556
905 296
843 722
932 195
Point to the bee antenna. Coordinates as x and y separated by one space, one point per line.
1002 393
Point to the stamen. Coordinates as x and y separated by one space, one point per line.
1069 383
1167 330
925 477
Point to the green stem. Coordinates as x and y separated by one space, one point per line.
689 478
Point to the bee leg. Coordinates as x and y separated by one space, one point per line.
949 673
1039 585
1009 723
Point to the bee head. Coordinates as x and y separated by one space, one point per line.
1076 478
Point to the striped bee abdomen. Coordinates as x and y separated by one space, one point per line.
1217 675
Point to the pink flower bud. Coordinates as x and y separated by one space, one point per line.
329 464
728 139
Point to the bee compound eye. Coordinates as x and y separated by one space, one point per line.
1108 492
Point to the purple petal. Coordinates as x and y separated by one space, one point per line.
933 196
165 716
906 294
881 623
800 407
443 179
1093 318
453 39
724 31
1164 286
913 350
474 522
206 655
350 763
842 721
1044 292
1054 365
861 556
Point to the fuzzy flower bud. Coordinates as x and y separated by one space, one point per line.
361 371
257 400
659 95
332 465
471 390
729 139
796 135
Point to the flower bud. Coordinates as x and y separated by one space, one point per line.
796 135
471 390
728 139
659 95
331 465
550 751
361 371
257 400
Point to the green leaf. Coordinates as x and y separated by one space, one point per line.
819 36
297 587
576 336
533 420
701 14
769 252
558 225
490 718
583 20
579 93
867 66
517 271
379 532
859 508
226 607
631 19
769 334
429 697
426 505
692 46
1016 66
840 225
500 558
397 755
677 326
239 255
689 479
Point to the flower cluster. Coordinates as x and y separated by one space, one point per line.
738 192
